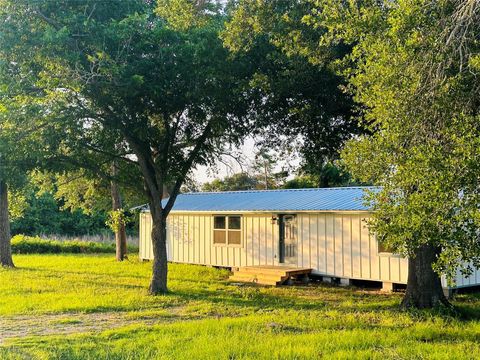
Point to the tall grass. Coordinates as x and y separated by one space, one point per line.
105 238
22 244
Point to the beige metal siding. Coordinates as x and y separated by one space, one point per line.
190 240
340 245
332 244
145 243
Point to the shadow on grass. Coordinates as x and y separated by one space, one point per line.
292 298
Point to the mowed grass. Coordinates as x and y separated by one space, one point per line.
205 317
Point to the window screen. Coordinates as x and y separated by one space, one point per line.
234 237
234 222
227 230
219 222
219 237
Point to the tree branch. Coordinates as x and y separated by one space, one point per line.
186 168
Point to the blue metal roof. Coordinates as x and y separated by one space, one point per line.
321 199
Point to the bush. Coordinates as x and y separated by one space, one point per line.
22 244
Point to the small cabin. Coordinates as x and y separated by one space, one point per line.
323 230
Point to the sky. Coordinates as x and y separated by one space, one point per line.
228 166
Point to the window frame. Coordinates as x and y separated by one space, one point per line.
227 229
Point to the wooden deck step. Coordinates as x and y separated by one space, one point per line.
274 270
259 279
267 275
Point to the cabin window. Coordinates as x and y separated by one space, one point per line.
219 230
227 230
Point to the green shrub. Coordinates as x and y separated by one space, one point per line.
22 244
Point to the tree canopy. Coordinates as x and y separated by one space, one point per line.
303 105
170 96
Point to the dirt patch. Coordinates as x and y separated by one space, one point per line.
13 327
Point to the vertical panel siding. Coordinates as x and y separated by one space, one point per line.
374 258
356 249
149 245
314 255
303 239
255 241
261 242
201 241
321 242
347 246
384 267
338 244
464 281
330 240
249 241
403 270
270 250
208 239
365 259
275 244
190 240
142 240
395 269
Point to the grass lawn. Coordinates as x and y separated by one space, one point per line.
90 307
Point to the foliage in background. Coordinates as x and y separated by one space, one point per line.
45 215
303 107
240 181
116 219
332 176
17 203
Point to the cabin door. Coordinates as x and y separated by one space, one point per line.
288 239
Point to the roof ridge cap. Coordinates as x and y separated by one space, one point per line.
279 190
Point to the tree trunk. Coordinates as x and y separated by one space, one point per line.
158 284
424 287
120 232
5 236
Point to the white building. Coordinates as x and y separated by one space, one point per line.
320 229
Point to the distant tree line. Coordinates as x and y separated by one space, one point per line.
331 176
45 215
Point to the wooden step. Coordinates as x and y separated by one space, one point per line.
258 278
263 276
267 275
261 271
258 281
281 271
